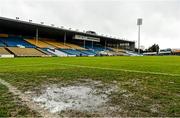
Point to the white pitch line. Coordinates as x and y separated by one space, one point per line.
92 67
27 100
125 70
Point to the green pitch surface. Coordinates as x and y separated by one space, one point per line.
11 106
153 81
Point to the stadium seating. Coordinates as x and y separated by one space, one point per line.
3 35
3 51
2 44
62 45
15 42
131 53
96 48
56 44
74 46
58 52
29 52
119 52
88 52
46 43
5 54
45 50
40 43
116 50
122 52
53 47
73 52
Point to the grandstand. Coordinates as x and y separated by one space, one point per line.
96 48
23 38
16 42
2 44
26 52
5 53
55 52
73 46
73 52
56 44
88 52
52 43
39 43
4 35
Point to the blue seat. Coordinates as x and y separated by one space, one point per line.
15 41
46 50
73 52
96 47
2 44
88 52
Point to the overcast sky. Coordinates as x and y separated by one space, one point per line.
161 18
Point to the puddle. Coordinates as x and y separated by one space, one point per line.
81 97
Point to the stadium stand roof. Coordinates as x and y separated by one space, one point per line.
28 28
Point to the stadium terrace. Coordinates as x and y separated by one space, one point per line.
24 38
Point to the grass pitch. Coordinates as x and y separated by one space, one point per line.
11 105
153 82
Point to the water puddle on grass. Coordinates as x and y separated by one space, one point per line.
89 96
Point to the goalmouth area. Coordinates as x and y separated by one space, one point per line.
90 86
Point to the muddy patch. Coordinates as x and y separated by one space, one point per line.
85 96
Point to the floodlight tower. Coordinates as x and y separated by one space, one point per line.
139 23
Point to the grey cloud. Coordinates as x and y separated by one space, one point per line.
161 18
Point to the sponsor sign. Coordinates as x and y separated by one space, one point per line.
87 38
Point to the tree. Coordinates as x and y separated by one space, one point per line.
153 48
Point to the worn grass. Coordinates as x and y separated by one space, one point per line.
152 88
11 106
